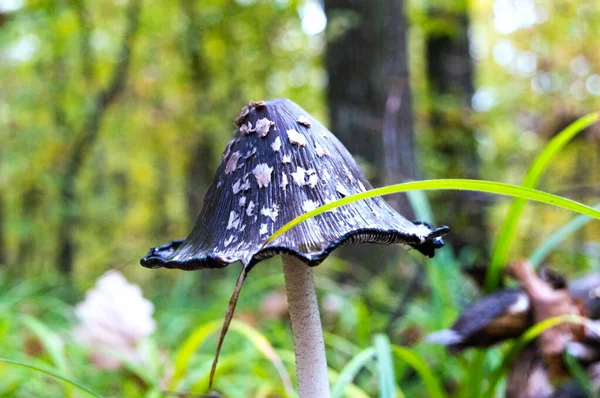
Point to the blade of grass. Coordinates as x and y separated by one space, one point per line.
52 374
450 184
580 374
558 237
437 275
201 334
349 390
385 366
52 344
350 371
525 339
508 230
431 382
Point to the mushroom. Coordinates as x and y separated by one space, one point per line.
508 313
495 318
297 166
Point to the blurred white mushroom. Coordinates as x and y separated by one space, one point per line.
114 318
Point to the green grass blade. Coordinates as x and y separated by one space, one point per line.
444 265
446 184
385 366
558 237
189 347
525 339
263 345
432 383
52 374
349 390
508 229
50 341
351 370
201 334
52 344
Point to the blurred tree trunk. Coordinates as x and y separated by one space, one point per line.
32 200
370 100
199 171
369 91
450 77
84 141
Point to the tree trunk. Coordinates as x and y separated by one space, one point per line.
32 200
369 97
369 91
199 173
450 76
86 139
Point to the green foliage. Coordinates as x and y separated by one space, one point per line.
193 65
534 173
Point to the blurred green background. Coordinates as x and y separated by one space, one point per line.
113 115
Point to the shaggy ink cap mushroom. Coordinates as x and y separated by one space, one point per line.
494 318
281 164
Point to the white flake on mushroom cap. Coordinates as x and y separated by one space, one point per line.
232 162
276 145
247 129
242 201
520 306
296 138
348 174
313 180
271 212
298 176
250 209
242 116
263 126
263 229
326 176
341 190
286 159
239 186
303 120
320 151
262 173
234 220
308 205
284 181
229 240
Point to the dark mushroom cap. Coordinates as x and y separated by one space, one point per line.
497 317
281 164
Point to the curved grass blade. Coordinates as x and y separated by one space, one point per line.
558 237
52 345
350 390
52 374
508 229
201 334
446 184
351 370
432 383
525 339
385 366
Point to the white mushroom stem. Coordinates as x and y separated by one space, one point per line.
311 363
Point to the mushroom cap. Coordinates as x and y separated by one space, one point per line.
497 317
282 163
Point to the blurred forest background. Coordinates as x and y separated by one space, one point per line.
113 115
